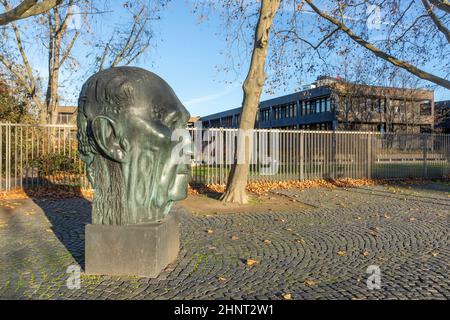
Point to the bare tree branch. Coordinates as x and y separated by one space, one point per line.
441 27
379 53
443 5
123 50
66 53
27 8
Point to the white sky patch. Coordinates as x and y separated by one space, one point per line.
210 97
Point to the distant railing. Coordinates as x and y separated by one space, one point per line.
47 155
308 155
39 156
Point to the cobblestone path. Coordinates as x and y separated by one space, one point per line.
322 252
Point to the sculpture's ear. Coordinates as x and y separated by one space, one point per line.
107 137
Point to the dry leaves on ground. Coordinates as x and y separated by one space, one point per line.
341 253
47 192
309 282
251 262
286 296
265 187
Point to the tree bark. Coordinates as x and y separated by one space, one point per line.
252 88
27 8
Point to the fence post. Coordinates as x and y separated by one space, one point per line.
369 155
8 157
424 151
302 157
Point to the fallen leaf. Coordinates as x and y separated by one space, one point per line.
209 231
341 253
309 282
300 241
234 237
221 279
251 262
267 241
366 253
286 296
434 254
412 219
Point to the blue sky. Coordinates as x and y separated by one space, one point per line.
187 59
186 56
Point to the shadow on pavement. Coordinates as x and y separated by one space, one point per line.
68 212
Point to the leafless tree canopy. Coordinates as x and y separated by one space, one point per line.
317 37
55 35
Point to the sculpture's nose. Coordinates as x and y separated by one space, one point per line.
185 115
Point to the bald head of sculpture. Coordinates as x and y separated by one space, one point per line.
127 118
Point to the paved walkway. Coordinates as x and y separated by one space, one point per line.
320 253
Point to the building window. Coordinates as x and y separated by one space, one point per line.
318 106
290 110
237 118
227 122
327 104
215 123
381 105
322 105
264 115
399 106
425 108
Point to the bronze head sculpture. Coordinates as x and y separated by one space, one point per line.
126 120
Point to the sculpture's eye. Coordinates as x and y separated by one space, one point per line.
171 119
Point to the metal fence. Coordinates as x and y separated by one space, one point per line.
39 156
307 155
47 155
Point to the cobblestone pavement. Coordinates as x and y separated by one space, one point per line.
321 252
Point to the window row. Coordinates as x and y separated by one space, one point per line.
285 111
315 106
290 110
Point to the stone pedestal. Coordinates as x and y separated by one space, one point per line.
142 250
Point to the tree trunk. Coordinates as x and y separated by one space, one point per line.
55 41
252 88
